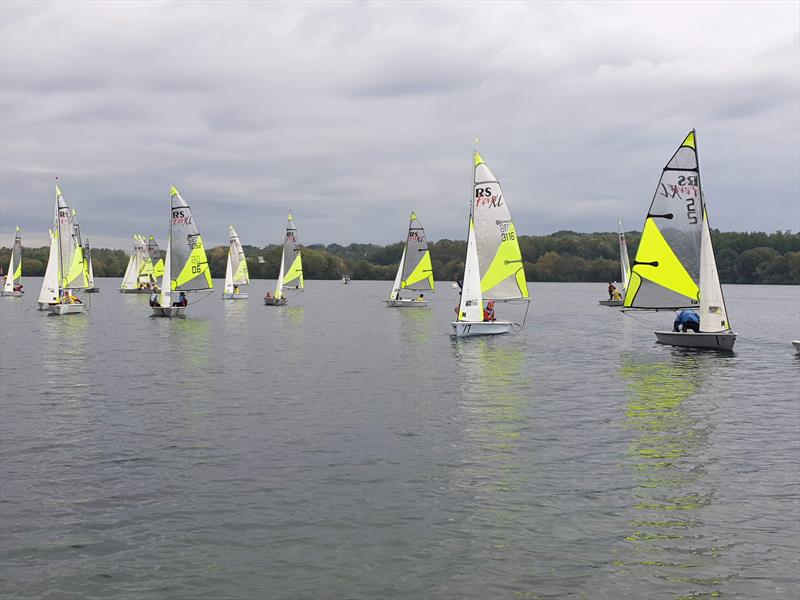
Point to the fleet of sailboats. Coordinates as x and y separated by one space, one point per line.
493 269
291 269
675 268
12 286
415 271
625 267
186 266
236 274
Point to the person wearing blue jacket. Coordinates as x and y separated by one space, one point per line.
687 319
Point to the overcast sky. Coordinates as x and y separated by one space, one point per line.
353 114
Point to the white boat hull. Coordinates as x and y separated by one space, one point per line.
66 309
406 303
610 302
275 301
169 312
722 340
239 296
11 294
475 328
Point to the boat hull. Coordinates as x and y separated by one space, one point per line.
12 294
406 303
93 290
169 312
137 291
610 302
476 328
239 296
723 340
66 309
275 301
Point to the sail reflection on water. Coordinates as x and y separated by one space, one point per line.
667 454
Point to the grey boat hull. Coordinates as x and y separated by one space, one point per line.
406 303
722 340
477 328
169 312
275 301
610 302
239 296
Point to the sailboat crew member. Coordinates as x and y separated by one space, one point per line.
488 312
687 319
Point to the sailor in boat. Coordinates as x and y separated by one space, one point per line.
182 301
235 289
488 312
154 299
611 289
70 298
18 288
267 296
421 297
687 319
616 295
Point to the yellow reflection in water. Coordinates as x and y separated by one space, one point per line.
666 458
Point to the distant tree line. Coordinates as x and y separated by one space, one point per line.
754 257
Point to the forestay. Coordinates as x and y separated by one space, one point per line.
72 273
499 256
189 263
666 270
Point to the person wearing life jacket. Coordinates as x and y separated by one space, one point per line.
616 295
611 289
421 297
687 319
235 289
488 312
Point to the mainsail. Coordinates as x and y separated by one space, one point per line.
155 257
499 256
189 266
14 273
666 270
624 261
70 265
415 271
236 273
291 263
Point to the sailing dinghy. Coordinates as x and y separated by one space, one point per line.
90 270
154 253
625 267
139 277
12 287
415 272
291 270
70 260
186 266
674 268
493 269
236 274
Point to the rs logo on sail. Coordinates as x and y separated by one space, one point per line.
484 197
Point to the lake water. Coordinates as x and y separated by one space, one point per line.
334 448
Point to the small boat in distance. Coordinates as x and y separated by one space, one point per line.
70 260
236 274
90 270
415 272
139 276
346 280
12 287
186 266
493 269
291 270
674 268
625 267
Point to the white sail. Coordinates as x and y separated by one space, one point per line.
89 268
625 264
186 248
398 278
49 292
166 281
279 284
130 279
9 284
713 316
238 262
471 306
228 289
